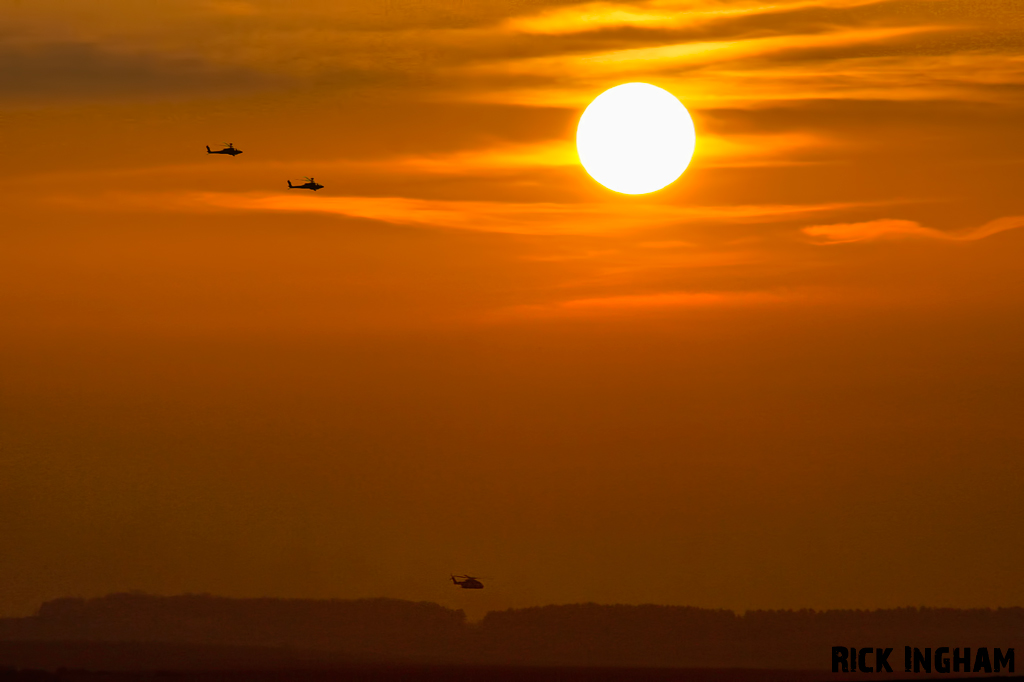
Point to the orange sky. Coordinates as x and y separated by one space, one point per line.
791 379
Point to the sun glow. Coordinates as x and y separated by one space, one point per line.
635 138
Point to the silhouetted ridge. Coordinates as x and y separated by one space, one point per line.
675 636
361 626
609 635
570 635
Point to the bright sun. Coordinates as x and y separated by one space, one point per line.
635 138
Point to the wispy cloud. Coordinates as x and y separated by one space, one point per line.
889 228
594 16
634 303
506 217
85 70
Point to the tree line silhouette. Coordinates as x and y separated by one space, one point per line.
273 632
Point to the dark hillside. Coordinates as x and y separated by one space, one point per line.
690 637
363 627
278 633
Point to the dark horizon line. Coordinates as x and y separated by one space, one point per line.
142 594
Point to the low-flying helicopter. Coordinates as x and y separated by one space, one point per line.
312 184
230 149
468 582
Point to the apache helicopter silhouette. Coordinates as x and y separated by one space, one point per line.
468 582
312 184
230 149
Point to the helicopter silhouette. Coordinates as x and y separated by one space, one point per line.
230 149
468 582
312 184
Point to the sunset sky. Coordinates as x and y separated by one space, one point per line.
793 378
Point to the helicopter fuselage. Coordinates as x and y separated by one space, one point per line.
230 150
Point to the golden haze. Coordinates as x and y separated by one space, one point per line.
790 379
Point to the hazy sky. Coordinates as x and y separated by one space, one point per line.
793 378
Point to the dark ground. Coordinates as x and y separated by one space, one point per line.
425 673
431 673
202 638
